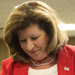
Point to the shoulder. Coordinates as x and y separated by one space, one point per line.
9 65
67 50
70 49
6 65
8 61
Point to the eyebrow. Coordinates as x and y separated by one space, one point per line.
36 34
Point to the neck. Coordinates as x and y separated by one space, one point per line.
46 62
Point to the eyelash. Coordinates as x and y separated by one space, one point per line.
22 40
33 38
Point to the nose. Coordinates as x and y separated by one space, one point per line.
30 45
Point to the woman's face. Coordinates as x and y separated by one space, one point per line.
34 42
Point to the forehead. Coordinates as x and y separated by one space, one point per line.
29 31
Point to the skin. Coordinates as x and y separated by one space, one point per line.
34 41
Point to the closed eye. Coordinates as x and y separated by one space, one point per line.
23 40
35 38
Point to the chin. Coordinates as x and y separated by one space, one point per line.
39 58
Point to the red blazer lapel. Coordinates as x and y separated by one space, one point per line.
65 63
20 69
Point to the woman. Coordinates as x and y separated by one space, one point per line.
36 45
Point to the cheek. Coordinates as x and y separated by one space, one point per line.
43 42
23 47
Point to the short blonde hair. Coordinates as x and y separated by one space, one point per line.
25 14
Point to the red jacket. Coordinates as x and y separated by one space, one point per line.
65 64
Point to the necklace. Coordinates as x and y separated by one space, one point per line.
43 63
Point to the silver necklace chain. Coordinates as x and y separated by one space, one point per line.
43 63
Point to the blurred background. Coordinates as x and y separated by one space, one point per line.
64 8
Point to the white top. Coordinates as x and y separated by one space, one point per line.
49 71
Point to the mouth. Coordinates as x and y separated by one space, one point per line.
35 52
